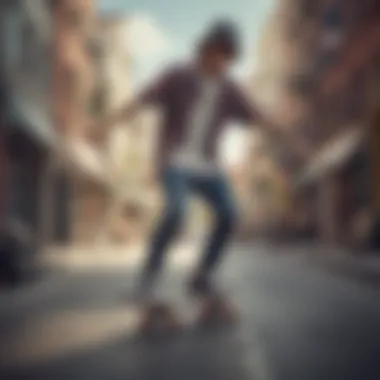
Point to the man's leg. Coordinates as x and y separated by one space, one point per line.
218 194
175 188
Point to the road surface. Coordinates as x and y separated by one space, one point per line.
299 322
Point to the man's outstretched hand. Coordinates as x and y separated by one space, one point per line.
126 113
294 143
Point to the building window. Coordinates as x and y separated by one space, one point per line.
333 17
333 24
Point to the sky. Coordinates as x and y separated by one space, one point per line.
165 30
162 31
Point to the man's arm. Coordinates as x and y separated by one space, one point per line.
246 111
287 138
126 113
153 94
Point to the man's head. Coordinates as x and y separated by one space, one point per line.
219 47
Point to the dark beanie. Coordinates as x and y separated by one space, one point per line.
223 35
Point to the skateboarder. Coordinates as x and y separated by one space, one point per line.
196 100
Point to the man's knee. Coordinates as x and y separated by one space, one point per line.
169 226
174 216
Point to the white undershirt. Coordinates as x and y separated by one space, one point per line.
190 154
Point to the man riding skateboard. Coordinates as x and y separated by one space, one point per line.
197 99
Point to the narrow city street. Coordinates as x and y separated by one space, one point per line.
299 321
261 115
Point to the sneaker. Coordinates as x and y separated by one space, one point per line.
217 311
159 317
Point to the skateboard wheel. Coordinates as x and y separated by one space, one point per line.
217 312
159 318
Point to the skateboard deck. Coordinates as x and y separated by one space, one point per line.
164 318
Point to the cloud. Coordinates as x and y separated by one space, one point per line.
144 38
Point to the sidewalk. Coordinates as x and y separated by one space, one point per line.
365 269
362 267
110 257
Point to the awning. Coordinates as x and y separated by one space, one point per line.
332 156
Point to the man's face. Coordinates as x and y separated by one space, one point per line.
217 62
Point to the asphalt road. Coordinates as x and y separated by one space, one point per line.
299 322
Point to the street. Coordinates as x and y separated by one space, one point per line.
299 322
115 114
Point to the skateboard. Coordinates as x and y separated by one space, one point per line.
157 319
216 312
163 319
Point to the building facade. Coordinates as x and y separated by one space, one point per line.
74 85
129 145
27 130
279 58
55 169
343 94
